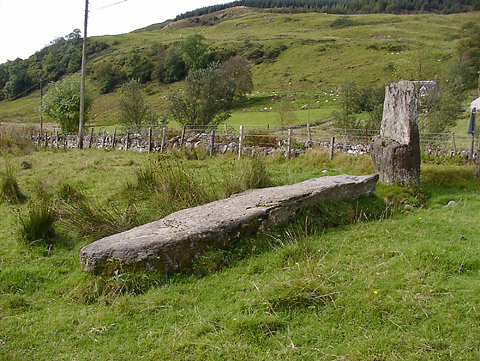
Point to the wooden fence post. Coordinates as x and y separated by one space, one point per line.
149 139
182 138
226 129
472 146
114 137
164 139
240 142
289 143
212 143
57 139
46 139
90 140
332 148
104 138
38 139
309 132
127 140
477 163
453 143
64 141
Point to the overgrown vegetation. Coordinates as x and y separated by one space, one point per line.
355 100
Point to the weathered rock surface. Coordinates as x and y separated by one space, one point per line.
172 243
396 152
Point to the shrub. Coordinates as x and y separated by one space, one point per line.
37 225
62 103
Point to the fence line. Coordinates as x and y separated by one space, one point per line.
241 139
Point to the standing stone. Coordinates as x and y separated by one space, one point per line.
396 152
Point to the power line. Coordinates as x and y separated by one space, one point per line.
109 6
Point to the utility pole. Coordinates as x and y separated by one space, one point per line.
41 106
82 86
478 88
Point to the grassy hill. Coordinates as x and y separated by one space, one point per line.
314 52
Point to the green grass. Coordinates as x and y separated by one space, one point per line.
398 286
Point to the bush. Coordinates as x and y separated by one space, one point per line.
62 103
37 225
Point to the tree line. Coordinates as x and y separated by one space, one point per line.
160 63
212 87
166 64
345 6
61 57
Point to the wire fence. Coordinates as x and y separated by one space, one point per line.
220 137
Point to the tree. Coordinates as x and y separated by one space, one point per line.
439 111
238 68
346 118
194 52
133 110
62 103
174 67
468 48
370 99
206 99
284 111
109 76
19 79
139 67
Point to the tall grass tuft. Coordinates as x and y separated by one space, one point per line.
15 145
67 193
37 225
9 189
174 185
248 173
91 219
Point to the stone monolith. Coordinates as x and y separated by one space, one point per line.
396 151
172 243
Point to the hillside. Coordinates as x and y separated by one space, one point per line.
291 53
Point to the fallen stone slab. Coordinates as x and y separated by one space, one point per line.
171 244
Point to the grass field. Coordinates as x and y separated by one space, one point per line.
399 281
